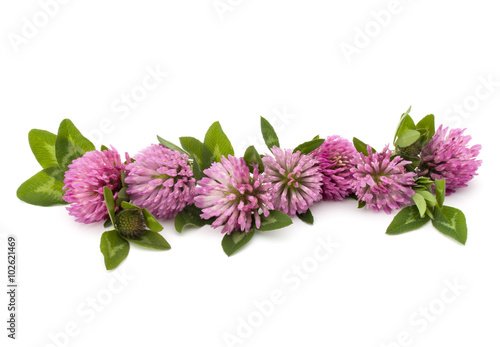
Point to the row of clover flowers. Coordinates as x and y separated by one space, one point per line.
203 183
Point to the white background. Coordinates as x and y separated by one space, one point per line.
283 60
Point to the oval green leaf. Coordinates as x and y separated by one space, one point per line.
151 221
405 123
42 145
428 123
253 157
70 144
268 133
309 146
451 221
151 239
420 203
440 187
361 147
110 204
189 217
237 239
306 217
215 145
407 219
407 138
193 146
170 145
275 220
114 249
41 190
128 206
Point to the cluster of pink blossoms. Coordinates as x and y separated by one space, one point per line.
236 195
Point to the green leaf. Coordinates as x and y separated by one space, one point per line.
275 220
215 145
427 123
42 145
407 219
429 213
253 157
114 249
237 239
423 182
451 221
408 138
193 147
107 223
440 186
268 133
361 147
309 146
104 148
55 172
361 204
431 199
41 190
122 196
128 206
420 203
151 239
306 217
189 216
405 123
198 174
110 203
151 221
70 144
170 145
316 137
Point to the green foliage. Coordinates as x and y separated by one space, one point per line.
194 147
114 249
215 145
361 147
407 138
41 190
309 146
54 153
451 221
235 241
70 144
253 157
151 239
189 217
42 145
151 221
407 219
275 220
170 145
110 204
306 217
268 133
440 187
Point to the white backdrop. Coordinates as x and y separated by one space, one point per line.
126 71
